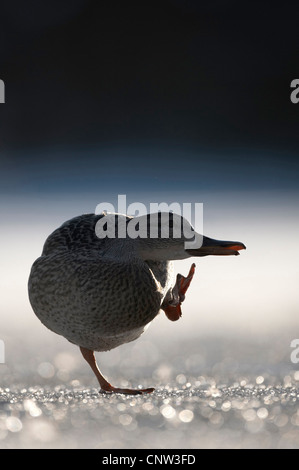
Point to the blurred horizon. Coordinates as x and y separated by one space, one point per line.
254 294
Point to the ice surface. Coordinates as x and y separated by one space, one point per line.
209 394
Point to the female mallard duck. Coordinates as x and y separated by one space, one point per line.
100 293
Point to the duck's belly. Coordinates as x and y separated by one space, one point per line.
95 342
88 306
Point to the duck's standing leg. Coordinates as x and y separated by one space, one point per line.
104 384
172 305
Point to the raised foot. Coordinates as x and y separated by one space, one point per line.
172 309
184 282
127 391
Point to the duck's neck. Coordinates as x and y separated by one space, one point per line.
121 249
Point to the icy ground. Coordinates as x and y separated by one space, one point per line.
213 394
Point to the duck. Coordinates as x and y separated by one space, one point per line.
100 288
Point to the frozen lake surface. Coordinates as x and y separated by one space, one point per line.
208 395
191 416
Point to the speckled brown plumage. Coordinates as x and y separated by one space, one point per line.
79 290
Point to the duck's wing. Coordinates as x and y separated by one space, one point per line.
74 234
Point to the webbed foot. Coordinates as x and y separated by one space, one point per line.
106 387
127 391
172 308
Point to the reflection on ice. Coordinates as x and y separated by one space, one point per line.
188 412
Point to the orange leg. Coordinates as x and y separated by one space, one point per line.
173 309
104 384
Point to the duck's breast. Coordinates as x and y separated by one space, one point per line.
79 297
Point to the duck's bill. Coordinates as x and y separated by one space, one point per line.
217 247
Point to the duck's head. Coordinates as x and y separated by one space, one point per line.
168 236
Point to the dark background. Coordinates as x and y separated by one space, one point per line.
178 88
